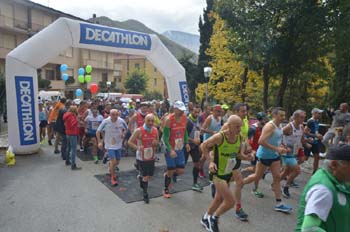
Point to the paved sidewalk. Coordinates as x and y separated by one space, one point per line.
40 193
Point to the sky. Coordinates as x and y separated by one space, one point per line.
159 15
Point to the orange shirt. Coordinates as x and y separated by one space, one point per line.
54 112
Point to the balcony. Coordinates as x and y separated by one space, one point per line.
19 26
13 25
99 64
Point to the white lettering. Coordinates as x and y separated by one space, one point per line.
26 111
116 37
90 33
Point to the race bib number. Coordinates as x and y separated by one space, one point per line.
179 144
95 125
197 134
113 141
148 153
230 165
295 149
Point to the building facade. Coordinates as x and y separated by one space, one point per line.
21 19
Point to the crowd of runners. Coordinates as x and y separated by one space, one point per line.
217 138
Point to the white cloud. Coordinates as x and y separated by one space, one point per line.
159 15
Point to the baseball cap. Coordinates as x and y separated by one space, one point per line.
179 105
260 116
316 110
339 152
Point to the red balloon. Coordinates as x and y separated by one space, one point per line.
93 88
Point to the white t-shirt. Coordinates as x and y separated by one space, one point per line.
113 133
93 123
319 201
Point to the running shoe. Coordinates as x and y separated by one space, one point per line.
294 185
75 168
285 192
96 159
57 152
114 181
213 224
257 193
50 143
197 187
81 148
166 193
205 223
241 215
283 208
105 159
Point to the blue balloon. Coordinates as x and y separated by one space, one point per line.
81 71
65 76
78 92
64 67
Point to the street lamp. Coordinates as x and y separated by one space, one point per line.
109 84
207 72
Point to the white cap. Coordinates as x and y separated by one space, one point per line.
316 110
179 105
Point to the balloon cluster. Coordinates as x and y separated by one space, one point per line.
81 78
64 69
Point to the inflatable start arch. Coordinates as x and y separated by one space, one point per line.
22 63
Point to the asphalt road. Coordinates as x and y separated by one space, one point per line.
41 194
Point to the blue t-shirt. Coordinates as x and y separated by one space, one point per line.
313 125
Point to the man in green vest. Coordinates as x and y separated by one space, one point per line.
325 202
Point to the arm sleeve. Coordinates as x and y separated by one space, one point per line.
312 223
166 135
319 201
186 136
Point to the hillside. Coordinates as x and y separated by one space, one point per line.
186 40
177 50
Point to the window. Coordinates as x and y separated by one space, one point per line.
155 81
104 77
7 14
50 74
155 69
137 66
119 79
7 41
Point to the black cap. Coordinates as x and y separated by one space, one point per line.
339 152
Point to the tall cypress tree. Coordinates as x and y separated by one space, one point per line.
206 30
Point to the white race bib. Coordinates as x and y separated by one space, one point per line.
179 144
230 165
197 134
148 153
95 125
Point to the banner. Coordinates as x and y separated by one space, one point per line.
106 36
26 110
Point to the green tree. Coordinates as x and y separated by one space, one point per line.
277 37
153 95
339 15
136 82
205 30
43 84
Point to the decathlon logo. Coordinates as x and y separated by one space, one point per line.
106 36
184 92
26 110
